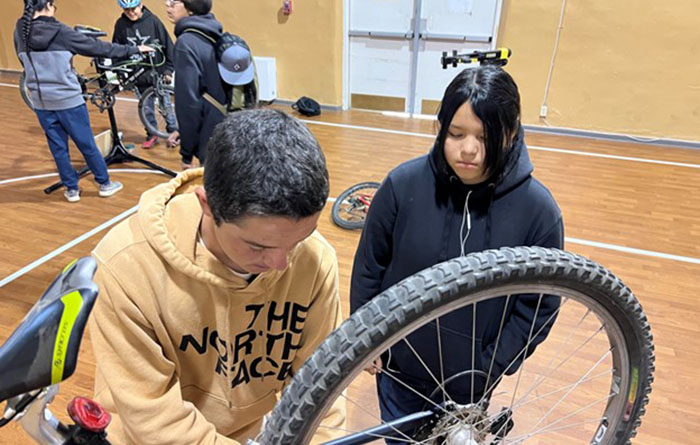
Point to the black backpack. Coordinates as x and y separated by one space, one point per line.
248 93
307 106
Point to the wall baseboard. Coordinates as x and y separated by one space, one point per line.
677 143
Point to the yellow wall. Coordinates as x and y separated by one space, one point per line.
623 66
307 44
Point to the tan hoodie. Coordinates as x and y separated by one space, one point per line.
188 352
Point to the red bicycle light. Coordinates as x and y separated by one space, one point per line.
88 414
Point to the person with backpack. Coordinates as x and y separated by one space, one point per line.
138 26
46 47
208 63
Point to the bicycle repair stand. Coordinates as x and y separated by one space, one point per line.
118 154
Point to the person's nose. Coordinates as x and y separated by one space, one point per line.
470 146
276 259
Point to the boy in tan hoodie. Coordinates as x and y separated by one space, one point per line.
213 296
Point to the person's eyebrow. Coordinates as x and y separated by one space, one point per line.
262 246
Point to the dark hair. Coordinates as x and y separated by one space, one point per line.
198 7
31 6
494 98
264 162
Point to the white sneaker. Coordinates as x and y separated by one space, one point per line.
72 195
110 188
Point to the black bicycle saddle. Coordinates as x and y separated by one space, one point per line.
43 350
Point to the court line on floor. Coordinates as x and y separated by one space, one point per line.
49 256
116 219
531 147
431 136
49 175
60 250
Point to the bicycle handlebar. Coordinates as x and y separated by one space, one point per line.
496 57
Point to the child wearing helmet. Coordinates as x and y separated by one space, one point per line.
138 26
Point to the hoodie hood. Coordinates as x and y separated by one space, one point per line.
175 238
44 31
206 23
517 169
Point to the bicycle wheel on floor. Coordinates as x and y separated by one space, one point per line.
24 91
588 382
157 110
350 208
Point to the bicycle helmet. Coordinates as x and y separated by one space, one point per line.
128 3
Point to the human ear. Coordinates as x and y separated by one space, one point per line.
203 202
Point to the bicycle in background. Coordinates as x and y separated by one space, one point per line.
101 87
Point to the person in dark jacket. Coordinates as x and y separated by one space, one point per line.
197 73
473 191
45 48
138 26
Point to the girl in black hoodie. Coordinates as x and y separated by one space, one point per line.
473 191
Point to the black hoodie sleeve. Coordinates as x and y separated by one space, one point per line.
78 43
374 252
519 325
189 106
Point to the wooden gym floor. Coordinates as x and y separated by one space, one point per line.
633 208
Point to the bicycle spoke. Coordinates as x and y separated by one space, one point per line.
442 367
569 391
520 403
396 379
517 356
372 415
444 391
548 429
495 348
471 392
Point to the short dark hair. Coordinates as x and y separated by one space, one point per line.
198 7
494 97
264 162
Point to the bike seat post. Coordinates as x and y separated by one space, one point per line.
40 423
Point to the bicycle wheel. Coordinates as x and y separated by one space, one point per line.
24 91
162 118
567 391
350 208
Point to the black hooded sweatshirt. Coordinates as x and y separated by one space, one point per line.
147 30
415 222
50 68
197 73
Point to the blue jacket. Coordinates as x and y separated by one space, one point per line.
196 73
415 221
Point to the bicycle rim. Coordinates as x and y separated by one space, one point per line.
350 209
162 110
588 382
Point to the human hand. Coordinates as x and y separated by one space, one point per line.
173 139
145 49
375 367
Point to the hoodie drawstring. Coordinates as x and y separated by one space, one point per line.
465 217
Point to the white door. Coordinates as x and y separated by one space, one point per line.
392 62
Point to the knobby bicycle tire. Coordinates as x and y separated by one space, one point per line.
337 206
160 132
374 326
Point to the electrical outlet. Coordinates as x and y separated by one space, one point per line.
543 111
